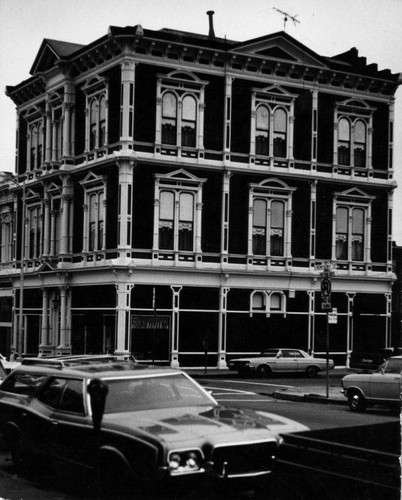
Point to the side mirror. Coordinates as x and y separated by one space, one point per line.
97 391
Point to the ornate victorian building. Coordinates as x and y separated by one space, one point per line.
176 193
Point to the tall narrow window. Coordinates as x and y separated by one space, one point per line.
280 133
259 227
39 152
102 121
277 227
357 234
342 233
186 221
166 220
34 144
93 124
262 131
95 221
169 118
35 232
360 144
344 142
178 210
188 122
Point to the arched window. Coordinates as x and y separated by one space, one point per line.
169 118
96 221
34 147
258 301
259 227
166 220
262 131
344 142
277 227
342 233
102 121
186 221
188 122
357 234
280 133
360 144
275 301
93 120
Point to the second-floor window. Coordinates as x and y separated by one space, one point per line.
94 213
34 232
6 235
352 222
270 205
178 202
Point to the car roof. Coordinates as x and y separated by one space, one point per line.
116 369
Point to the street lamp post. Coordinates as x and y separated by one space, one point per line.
20 329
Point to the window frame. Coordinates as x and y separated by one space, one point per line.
275 100
97 114
351 201
267 307
182 85
94 186
178 183
353 111
271 191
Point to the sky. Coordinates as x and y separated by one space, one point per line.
328 27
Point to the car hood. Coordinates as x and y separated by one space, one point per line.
216 424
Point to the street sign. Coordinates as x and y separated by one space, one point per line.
333 317
326 287
325 303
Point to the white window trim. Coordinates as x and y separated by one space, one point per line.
354 110
266 309
274 98
96 89
94 184
179 181
181 84
272 189
6 228
353 198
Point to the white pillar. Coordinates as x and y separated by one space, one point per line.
222 328
122 341
127 103
174 350
125 205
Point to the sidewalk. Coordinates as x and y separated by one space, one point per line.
314 391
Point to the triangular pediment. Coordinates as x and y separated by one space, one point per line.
46 267
51 52
354 193
282 47
180 175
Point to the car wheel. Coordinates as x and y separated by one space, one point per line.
312 371
264 371
356 401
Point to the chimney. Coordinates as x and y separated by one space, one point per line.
211 33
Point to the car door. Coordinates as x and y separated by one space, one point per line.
288 360
75 442
385 384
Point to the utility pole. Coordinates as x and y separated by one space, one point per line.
326 290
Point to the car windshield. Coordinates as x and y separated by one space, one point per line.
135 394
392 365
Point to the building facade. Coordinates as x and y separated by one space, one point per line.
177 194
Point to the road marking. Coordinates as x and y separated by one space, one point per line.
253 383
227 390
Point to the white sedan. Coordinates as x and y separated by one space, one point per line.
381 387
280 360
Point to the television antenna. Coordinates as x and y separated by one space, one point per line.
286 17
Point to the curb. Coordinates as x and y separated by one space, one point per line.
311 398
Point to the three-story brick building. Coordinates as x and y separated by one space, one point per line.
181 192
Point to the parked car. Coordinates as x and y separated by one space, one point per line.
8 365
133 424
3 373
381 387
280 360
365 361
